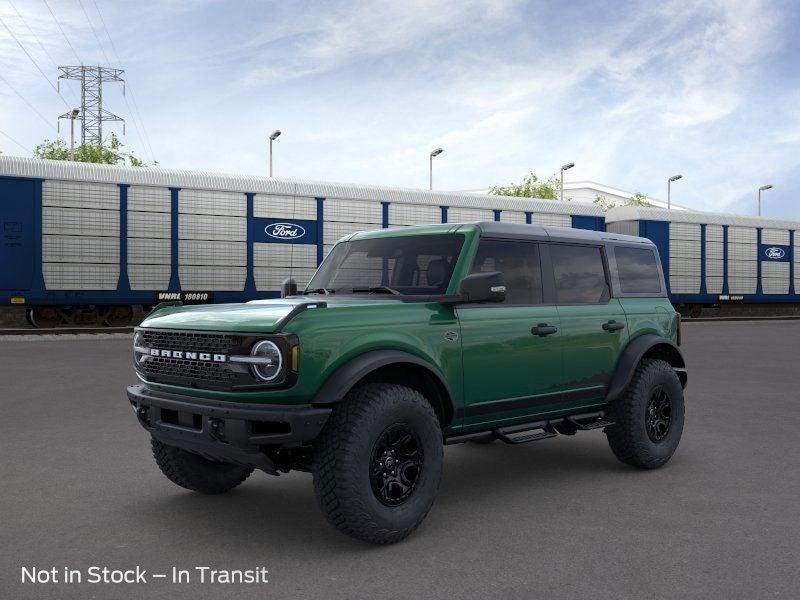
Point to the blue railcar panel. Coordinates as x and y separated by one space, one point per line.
703 287
124 285
283 231
775 252
18 231
658 233
584 222
174 278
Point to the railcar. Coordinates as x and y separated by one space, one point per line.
714 258
87 243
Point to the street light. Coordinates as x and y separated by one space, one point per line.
436 152
564 168
669 189
761 189
272 138
73 114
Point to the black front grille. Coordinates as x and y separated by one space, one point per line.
196 373
211 374
191 341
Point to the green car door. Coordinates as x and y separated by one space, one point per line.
593 324
511 350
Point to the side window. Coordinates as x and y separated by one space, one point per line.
519 264
638 271
580 276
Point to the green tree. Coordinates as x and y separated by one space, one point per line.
530 187
606 204
638 199
112 153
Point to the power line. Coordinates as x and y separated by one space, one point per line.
31 106
38 41
96 37
66 39
135 115
15 141
28 54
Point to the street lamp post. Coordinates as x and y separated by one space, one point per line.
669 189
272 138
73 114
564 168
436 152
762 189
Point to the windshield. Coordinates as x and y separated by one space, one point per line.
412 265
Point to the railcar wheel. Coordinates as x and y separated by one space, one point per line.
118 316
44 317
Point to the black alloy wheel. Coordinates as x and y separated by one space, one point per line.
396 464
658 416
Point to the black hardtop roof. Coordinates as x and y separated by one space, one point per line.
555 234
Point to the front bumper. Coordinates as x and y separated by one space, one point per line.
225 431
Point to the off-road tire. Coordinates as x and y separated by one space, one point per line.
344 455
628 436
193 472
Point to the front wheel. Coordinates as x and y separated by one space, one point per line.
378 462
648 418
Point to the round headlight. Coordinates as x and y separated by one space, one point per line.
269 367
138 343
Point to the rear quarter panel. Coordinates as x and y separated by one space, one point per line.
650 315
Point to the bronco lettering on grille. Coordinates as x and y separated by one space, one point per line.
180 354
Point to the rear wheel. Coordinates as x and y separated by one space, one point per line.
378 462
193 472
648 418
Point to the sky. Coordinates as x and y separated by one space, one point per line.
631 92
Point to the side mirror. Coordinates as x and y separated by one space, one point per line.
483 287
288 287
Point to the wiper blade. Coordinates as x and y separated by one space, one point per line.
319 291
377 289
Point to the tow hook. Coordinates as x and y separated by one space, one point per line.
143 414
217 429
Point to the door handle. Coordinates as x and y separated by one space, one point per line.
543 329
612 326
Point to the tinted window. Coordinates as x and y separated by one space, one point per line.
415 265
638 271
579 274
519 264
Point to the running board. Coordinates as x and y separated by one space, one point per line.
525 436
535 430
589 422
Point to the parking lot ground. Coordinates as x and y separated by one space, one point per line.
555 519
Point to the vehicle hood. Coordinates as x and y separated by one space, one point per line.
257 316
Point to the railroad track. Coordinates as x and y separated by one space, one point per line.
64 330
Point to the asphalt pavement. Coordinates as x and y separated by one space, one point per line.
558 518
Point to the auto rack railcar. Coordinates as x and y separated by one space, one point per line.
713 258
86 242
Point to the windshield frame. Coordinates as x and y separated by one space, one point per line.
320 282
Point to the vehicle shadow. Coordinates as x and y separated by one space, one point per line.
282 513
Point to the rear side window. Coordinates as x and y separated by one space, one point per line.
638 270
519 264
580 276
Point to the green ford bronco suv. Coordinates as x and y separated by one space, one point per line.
407 340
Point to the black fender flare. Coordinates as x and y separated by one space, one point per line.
346 376
632 356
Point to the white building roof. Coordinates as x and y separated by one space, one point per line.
637 213
587 191
209 180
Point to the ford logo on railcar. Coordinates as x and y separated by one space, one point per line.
285 231
775 253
